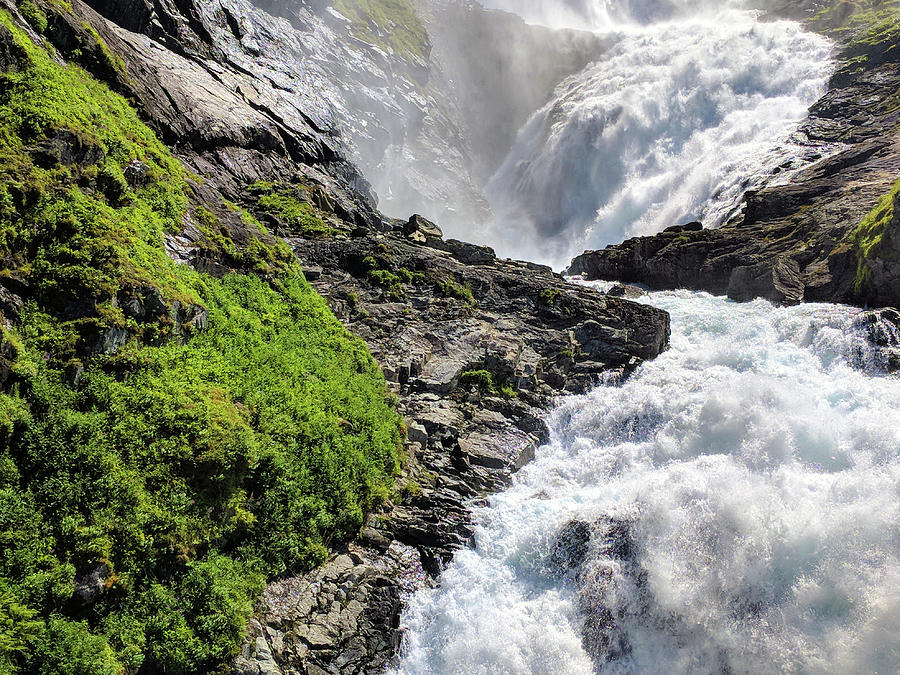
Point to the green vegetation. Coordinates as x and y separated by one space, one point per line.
284 203
487 383
869 29
33 15
451 289
867 238
383 272
549 296
389 24
857 20
149 488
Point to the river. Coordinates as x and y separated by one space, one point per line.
733 507
755 469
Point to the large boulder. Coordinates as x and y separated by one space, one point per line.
778 281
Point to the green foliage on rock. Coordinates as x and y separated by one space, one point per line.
450 288
150 486
487 383
283 203
392 25
868 236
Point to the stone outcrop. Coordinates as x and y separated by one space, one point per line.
794 241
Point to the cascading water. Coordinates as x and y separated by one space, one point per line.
734 507
694 105
740 494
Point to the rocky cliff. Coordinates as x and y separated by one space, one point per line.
826 234
215 429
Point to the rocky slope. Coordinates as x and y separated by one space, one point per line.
475 348
399 108
825 234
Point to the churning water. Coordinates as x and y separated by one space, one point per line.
756 469
692 106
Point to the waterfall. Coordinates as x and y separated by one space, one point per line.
693 105
737 507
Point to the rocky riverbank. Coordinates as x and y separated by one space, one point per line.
827 233
476 349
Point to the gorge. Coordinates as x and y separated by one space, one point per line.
274 399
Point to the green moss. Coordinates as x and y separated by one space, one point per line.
33 15
549 296
383 272
451 289
283 203
189 470
479 379
866 239
106 61
860 25
392 25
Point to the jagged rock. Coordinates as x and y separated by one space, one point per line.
626 291
779 281
8 355
422 231
12 56
142 304
137 174
112 340
90 583
469 254
689 227
67 148
883 330
571 547
10 304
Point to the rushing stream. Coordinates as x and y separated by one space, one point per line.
734 507
754 470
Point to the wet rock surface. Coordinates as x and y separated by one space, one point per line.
600 560
793 241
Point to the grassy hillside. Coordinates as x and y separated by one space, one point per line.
168 440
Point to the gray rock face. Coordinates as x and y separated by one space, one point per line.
778 281
794 242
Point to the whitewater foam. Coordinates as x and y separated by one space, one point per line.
758 462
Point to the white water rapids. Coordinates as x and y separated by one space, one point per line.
757 464
693 105
736 503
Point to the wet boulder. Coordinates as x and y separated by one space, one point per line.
422 231
779 281
570 550
882 329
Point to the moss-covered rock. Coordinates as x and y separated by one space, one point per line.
390 24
